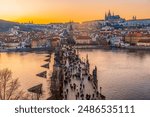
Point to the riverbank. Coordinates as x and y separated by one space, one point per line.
137 48
109 47
91 47
142 48
25 49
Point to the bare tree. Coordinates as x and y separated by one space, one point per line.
9 87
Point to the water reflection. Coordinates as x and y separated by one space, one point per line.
122 74
25 66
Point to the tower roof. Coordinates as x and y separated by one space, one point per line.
109 13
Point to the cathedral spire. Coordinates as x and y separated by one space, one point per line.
105 16
109 13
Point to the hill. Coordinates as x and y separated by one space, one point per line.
5 25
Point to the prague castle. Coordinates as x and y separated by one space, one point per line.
111 17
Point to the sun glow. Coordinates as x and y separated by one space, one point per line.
45 11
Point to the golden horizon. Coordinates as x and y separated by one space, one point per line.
54 11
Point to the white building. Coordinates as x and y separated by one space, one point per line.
14 30
116 41
144 22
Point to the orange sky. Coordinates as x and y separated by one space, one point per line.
46 11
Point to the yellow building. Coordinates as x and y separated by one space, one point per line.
55 42
36 43
83 40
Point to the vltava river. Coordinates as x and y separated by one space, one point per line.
121 74
25 66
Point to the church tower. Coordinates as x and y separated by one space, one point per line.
105 16
109 13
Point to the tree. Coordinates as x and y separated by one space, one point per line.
9 87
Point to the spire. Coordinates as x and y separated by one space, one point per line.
135 17
105 16
109 13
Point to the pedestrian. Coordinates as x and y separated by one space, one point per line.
76 97
78 94
66 96
80 85
83 86
67 91
97 93
93 95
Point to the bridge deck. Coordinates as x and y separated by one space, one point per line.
84 88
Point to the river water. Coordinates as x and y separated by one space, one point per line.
121 74
25 66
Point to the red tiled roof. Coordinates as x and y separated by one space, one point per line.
55 39
83 37
135 34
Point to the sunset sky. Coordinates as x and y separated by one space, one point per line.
46 11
